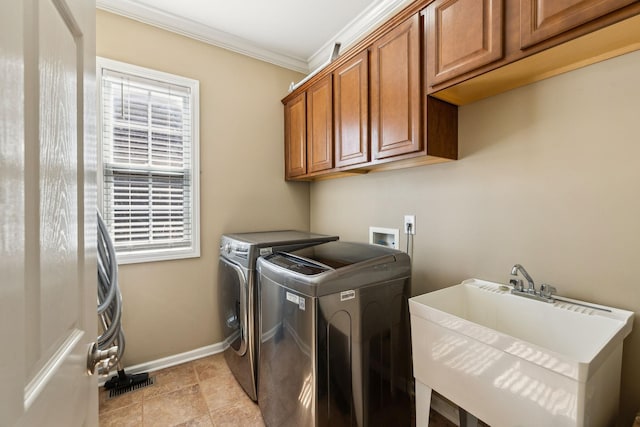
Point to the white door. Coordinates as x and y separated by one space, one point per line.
47 212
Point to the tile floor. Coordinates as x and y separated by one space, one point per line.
199 393
195 394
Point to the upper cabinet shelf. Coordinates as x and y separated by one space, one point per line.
391 100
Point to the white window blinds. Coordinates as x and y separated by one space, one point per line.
148 164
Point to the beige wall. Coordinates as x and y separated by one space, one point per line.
170 307
548 177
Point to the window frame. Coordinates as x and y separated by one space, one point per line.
155 254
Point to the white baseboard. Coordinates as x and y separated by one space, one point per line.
169 361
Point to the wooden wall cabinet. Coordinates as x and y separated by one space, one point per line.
308 130
295 136
320 126
390 100
462 35
369 110
542 19
396 91
351 111
468 38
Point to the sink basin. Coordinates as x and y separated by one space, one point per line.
510 360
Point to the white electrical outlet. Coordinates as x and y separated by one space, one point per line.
410 224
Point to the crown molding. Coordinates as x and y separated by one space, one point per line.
195 30
353 31
356 29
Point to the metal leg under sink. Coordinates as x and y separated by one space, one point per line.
423 395
466 419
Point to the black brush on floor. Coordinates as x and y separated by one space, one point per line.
124 383
110 313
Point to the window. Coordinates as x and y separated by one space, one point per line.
148 162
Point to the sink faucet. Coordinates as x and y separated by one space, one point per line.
531 287
546 293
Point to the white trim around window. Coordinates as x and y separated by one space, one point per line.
148 162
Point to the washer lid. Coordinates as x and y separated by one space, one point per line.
298 265
343 254
334 267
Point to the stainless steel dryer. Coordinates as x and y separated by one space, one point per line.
237 293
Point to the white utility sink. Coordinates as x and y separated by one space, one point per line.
514 361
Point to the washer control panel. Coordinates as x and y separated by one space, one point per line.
234 249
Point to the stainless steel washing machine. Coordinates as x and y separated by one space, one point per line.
237 293
335 343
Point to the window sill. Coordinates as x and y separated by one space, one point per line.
157 255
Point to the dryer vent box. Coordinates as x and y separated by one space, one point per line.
384 237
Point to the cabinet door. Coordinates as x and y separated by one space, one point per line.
395 91
542 19
462 35
351 111
295 137
320 126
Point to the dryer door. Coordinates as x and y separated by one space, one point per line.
233 300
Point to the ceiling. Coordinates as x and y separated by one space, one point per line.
296 34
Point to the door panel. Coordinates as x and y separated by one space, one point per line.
395 91
542 19
351 111
462 35
320 125
295 137
49 117
232 288
58 170
12 234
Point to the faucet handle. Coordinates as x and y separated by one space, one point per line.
517 284
547 291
